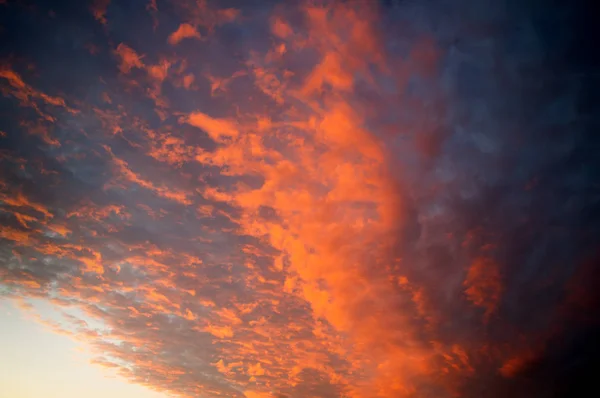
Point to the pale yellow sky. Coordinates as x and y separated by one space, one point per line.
36 362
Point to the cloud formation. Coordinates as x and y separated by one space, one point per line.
348 199
184 31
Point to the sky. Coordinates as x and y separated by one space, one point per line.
281 199
38 361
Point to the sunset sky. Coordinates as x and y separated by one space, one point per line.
298 199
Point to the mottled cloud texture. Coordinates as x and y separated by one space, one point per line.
307 199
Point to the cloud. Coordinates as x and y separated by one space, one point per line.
337 200
482 285
129 58
29 96
185 31
98 9
216 128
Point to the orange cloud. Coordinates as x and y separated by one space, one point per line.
215 128
220 331
99 8
483 287
255 394
185 31
274 245
158 73
129 58
188 80
29 96
125 172
338 205
280 28
220 84
514 365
